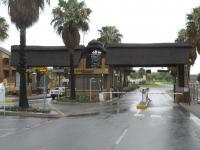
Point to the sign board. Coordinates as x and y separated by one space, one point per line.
58 70
43 70
65 80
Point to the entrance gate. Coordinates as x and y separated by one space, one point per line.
117 55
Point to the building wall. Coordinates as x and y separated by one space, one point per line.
7 72
93 78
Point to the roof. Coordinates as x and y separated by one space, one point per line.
41 56
95 45
5 51
144 55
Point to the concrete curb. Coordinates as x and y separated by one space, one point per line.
30 114
78 103
83 114
71 103
189 109
143 105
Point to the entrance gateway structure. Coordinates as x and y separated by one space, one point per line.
94 63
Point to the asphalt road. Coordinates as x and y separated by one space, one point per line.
163 126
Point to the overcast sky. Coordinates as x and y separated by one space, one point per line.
139 21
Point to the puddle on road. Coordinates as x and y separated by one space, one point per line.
195 119
116 111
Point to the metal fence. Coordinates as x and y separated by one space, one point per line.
194 92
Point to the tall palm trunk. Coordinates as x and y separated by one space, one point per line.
23 101
72 77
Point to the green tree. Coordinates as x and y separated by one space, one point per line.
68 18
109 35
193 32
3 29
141 72
182 36
24 13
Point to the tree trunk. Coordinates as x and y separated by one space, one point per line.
23 101
72 77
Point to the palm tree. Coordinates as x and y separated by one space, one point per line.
3 29
183 37
24 13
109 35
193 30
68 18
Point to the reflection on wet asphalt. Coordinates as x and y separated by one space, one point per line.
163 126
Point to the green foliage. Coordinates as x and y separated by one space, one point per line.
24 13
83 99
141 72
182 36
131 87
86 99
154 76
3 29
72 15
30 109
191 33
109 35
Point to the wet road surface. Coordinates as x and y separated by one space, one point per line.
163 126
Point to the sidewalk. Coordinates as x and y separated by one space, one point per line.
60 109
194 108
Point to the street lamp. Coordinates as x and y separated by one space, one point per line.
91 88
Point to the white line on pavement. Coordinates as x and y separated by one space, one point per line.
121 137
139 115
9 129
155 116
6 134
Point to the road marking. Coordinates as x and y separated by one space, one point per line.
155 116
121 137
139 115
6 134
11 129
56 109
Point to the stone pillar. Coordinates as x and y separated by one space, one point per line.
184 97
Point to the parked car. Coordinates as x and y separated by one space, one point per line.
58 91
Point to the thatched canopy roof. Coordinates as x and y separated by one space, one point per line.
37 56
144 55
134 55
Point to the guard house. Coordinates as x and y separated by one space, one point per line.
95 65
93 73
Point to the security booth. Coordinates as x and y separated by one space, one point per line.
92 73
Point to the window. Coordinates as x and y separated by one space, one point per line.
6 61
6 73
